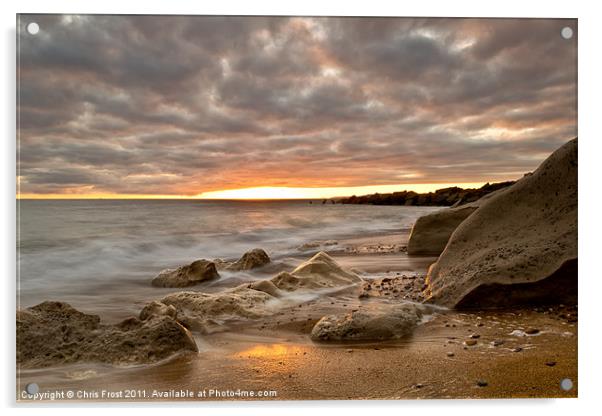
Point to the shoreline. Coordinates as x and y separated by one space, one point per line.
275 352
415 368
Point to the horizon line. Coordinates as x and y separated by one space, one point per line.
263 193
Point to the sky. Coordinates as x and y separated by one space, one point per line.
190 106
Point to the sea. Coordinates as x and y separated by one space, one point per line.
100 255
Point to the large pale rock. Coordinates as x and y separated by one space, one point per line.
205 312
392 322
250 260
520 246
319 271
157 309
189 275
431 232
54 333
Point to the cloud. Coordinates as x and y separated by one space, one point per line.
182 105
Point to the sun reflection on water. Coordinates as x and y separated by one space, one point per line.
269 351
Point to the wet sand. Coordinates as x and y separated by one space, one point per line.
275 354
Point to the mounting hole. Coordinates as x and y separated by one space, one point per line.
566 384
32 388
566 32
33 28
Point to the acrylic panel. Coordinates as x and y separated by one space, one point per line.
295 208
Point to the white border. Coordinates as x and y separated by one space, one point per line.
590 68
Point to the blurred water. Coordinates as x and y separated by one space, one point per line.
100 255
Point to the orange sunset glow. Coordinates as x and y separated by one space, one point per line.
286 107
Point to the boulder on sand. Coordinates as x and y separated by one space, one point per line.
250 260
392 322
319 271
189 275
205 311
520 246
431 232
157 309
54 333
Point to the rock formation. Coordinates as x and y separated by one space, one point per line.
189 275
431 232
157 309
53 333
250 260
392 322
452 196
204 311
520 246
320 271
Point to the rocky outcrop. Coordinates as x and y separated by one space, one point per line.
520 246
452 196
431 232
54 333
392 322
205 311
189 275
250 260
320 271
157 309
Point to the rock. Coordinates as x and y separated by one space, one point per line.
189 275
531 331
475 336
321 271
482 383
157 309
450 354
518 247
266 286
497 342
470 342
250 260
551 363
392 322
204 311
54 333
517 349
431 232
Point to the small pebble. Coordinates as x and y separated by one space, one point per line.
418 386
517 349
450 354
531 331
475 336
482 383
349 350
497 342
551 363
470 342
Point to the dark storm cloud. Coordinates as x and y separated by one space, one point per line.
182 105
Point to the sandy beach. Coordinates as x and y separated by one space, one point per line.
275 354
